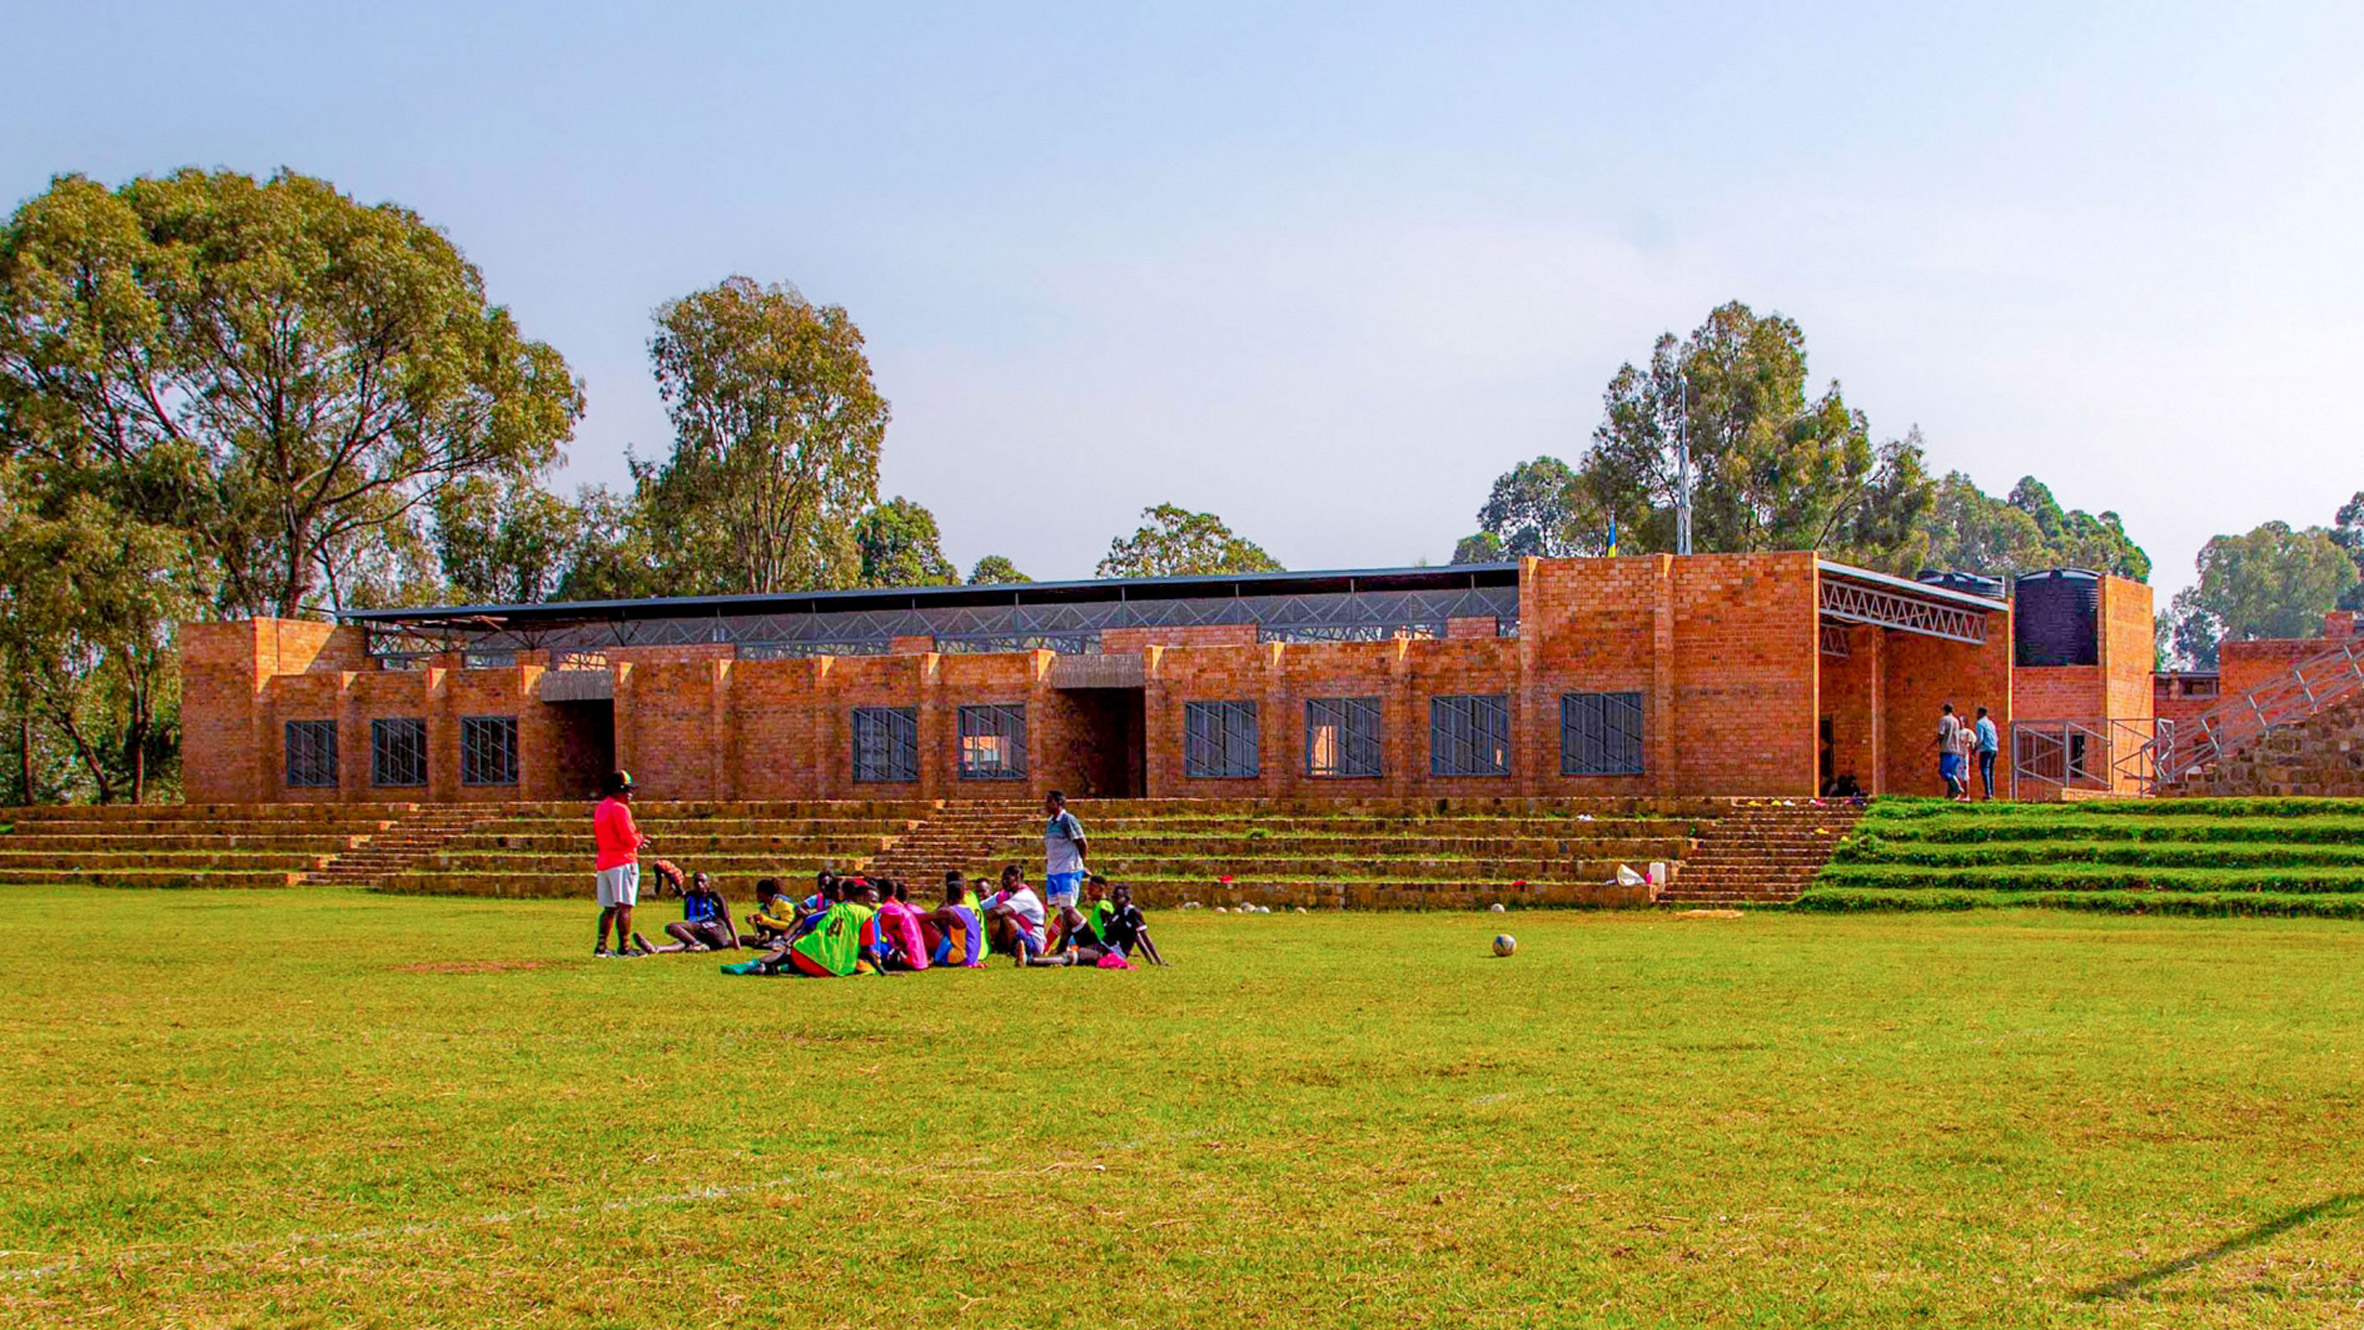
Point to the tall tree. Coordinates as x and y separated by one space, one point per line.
776 435
901 547
2347 532
1175 542
271 367
614 555
1772 468
92 596
996 570
504 541
1974 531
1537 508
2272 582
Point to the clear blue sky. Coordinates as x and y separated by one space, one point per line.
1327 270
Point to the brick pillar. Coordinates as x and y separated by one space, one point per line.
1402 739
936 720
1659 736
1280 729
627 717
722 735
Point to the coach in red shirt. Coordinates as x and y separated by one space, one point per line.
618 864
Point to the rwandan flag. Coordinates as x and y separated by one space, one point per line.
1612 550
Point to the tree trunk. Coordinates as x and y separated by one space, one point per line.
24 755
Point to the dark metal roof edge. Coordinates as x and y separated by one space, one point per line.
1014 592
1893 582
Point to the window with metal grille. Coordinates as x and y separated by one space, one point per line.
1219 740
398 751
1601 734
311 754
993 742
886 743
1469 736
489 658
488 750
1342 736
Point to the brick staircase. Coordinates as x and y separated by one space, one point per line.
543 850
1388 854
380 856
972 835
185 845
1761 852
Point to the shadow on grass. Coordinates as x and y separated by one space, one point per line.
2265 1232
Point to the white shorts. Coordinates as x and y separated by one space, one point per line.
619 886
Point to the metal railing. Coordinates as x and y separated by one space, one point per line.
2099 754
2310 687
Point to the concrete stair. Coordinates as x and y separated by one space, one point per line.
541 850
974 836
383 855
1763 852
178 845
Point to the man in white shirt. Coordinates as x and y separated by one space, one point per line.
1014 917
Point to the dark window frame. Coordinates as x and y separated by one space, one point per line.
1469 735
1222 740
493 739
397 739
885 745
308 756
1362 736
1007 720
1602 734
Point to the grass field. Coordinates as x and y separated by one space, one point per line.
308 1108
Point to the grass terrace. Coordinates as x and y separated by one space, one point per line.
2153 856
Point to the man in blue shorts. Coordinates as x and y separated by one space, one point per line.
1063 861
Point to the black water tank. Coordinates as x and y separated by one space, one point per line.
1973 583
2053 618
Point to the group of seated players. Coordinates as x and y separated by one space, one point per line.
854 925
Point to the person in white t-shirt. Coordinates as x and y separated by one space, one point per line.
1014 917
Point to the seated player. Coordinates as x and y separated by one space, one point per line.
705 921
831 948
898 928
1125 928
775 915
1014 918
953 932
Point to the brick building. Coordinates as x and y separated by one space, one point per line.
1758 674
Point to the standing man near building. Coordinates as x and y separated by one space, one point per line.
1063 861
1989 743
617 866
1949 754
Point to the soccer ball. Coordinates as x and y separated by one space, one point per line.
1497 907
1504 944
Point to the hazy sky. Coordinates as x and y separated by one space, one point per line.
1328 270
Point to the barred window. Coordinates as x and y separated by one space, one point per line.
488 750
490 658
312 754
398 751
1219 740
1342 736
886 743
1469 736
993 742
1601 734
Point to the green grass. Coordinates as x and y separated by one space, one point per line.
2192 856
311 1108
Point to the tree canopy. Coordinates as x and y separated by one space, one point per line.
1772 468
996 570
270 367
1972 531
2272 582
1175 542
777 429
900 547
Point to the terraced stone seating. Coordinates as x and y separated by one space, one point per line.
544 849
2281 856
185 845
1426 854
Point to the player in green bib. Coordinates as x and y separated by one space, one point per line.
832 948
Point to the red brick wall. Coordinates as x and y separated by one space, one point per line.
1722 649
1128 641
